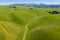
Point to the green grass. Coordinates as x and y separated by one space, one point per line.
23 23
46 32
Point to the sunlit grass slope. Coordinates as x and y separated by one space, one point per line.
9 31
46 32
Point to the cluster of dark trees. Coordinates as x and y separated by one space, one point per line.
53 12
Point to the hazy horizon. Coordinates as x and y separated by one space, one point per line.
7 2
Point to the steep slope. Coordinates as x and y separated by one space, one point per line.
10 31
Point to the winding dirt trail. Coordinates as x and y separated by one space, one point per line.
26 26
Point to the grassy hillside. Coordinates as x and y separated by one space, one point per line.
23 23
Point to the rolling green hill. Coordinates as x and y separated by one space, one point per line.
23 23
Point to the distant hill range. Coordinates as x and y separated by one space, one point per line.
38 5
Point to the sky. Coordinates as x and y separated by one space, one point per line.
7 2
